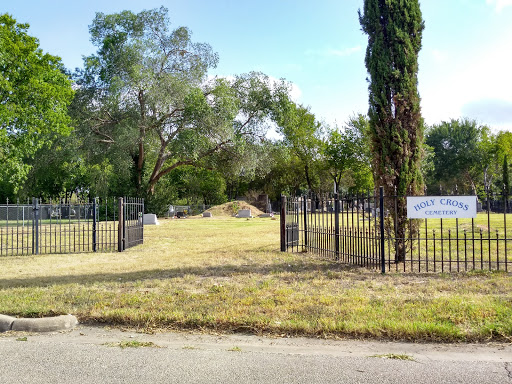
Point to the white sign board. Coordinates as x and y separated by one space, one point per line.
441 207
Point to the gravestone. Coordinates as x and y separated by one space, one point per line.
207 214
292 234
244 213
150 219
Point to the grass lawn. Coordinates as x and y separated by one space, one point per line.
227 275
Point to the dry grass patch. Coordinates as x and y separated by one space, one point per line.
227 275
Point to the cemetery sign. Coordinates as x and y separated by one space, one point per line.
441 207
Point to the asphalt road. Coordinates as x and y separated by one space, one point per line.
94 355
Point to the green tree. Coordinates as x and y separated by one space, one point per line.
394 29
302 134
145 93
56 170
504 152
489 160
463 154
279 171
346 156
34 97
63 170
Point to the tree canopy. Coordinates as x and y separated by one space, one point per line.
468 157
346 155
394 29
34 97
302 134
146 93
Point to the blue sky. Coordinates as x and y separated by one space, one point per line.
465 63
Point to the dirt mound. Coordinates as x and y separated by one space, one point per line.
231 208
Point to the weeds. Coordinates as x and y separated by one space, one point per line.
395 356
227 275
133 344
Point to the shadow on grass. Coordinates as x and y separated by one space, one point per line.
305 268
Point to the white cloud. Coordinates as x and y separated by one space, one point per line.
491 111
499 4
465 84
295 92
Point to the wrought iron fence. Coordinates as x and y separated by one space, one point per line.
70 227
355 230
133 228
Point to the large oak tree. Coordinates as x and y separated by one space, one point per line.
146 94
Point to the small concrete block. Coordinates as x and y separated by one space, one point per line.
207 214
150 219
45 324
266 215
244 213
6 323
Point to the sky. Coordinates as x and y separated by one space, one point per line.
465 65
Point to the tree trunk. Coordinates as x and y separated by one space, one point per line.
142 136
308 180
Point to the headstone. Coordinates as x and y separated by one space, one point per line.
244 213
150 219
207 214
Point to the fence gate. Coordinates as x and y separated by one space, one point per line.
70 227
132 231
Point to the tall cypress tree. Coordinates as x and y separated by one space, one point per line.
394 29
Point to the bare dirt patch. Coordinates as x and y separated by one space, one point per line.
231 208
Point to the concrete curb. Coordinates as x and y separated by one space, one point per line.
45 324
6 323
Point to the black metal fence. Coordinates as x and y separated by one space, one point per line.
355 230
70 227
133 225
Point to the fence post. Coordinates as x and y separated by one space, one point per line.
382 245
282 218
305 210
337 225
142 221
35 226
120 227
94 219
